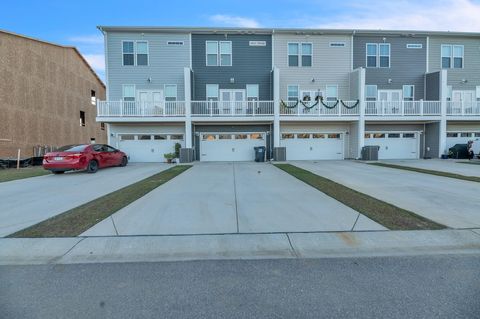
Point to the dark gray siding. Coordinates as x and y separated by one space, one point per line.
407 66
432 140
250 64
432 86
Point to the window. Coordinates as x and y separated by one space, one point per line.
394 135
174 42
142 53
256 136
252 92
93 99
331 93
476 134
293 54
379 135
335 135
92 140
208 137
224 137
452 56
225 53
409 135
414 46
371 92
306 54
465 134
449 93
287 136
241 136
82 118
102 126
212 92
160 137
477 89
300 54
318 135
128 57
178 137
337 44
408 92
368 135
378 55
303 135
170 92
212 53
449 134
127 137
129 93
292 93
144 137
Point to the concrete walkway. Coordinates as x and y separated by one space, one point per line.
221 198
451 202
28 201
449 166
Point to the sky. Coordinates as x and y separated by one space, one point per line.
73 22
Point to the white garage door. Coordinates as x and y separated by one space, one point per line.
395 145
313 146
463 138
148 147
230 146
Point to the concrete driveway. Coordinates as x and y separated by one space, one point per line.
28 201
220 198
451 202
449 166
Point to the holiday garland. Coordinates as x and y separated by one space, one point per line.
288 107
309 107
350 107
328 106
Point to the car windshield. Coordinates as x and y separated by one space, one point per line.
72 148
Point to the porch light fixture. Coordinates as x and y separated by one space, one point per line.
149 79
313 80
232 80
389 81
464 81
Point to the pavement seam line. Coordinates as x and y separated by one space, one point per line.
114 226
291 246
355 223
475 231
235 195
53 260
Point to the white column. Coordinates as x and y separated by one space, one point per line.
276 107
188 108
442 139
361 117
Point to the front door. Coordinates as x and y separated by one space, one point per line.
390 101
462 99
151 102
231 102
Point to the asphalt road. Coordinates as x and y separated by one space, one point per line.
392 287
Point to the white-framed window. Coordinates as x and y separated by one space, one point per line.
218 53
93 98
211 48
337 44
292 93
452 56
128 92
378 55
449 92
212 92
371 92
170 92
128 52
300 54
331 93
252 92
477 92
225 53
414 46
174 42
408 92
142 52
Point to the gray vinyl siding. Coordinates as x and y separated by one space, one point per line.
432 86
330 66
166 63
250 65
354 79
407 66
471 61
432 139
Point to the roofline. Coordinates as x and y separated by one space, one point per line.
60 46
184 29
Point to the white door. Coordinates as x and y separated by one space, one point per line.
151 102
463 138
313 146
230 146
390 101
148 147
395 145
462 99
232 102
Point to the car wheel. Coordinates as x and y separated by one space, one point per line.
58 172
124 162
92 167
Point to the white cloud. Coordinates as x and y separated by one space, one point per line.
235 21
87 39
96 61
440 15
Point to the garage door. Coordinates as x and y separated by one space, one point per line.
313 146
398 145
230 146
148 147
463 138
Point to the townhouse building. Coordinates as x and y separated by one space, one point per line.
304 94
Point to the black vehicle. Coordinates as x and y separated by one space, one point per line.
458 151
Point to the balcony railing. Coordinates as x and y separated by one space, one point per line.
402 108
463 108
317 108
232 108
140 109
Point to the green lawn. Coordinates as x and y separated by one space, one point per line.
77 220
471 162
388 215
11 174
429 171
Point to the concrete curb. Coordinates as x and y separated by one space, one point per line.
15 251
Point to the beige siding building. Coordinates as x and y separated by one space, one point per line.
47 96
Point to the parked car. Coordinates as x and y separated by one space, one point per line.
458 151
83 157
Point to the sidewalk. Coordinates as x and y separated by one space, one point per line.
236 246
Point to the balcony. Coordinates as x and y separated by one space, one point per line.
319 108
463 108
402 108
140 109
232 108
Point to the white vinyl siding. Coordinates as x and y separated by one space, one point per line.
452 56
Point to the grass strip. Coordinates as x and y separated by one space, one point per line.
429 171
11 174
471 163
390 216
77 220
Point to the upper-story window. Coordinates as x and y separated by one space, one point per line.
371 92
378 55
408 92
135 52
300 54
331 93
128 93
93 98
212 92
452 56
218 53
170 92
252 92
292 93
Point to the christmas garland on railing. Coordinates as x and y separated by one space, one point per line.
350 107
328 106
311 106
288 107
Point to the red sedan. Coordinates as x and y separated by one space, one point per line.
83 157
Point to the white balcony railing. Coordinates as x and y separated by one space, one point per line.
317 109
232 108
463 108
402 108
140 109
